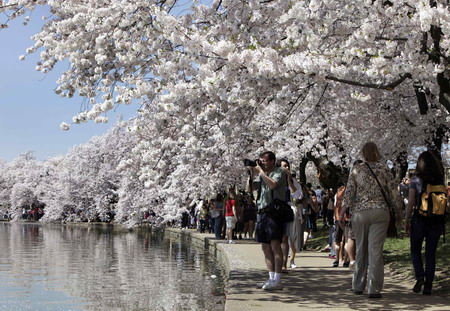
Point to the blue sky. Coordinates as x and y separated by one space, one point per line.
30 112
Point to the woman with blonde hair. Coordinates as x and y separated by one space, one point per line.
370 217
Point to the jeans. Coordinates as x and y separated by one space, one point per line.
424 228
211 224
218 226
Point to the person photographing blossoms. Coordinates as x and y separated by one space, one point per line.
270 181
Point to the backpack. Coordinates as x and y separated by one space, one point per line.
433 202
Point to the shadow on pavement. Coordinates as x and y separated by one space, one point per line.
327 288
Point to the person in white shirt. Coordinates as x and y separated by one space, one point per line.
292 235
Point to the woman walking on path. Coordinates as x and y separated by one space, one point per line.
307 226
370 218
292 233
429 172
249 216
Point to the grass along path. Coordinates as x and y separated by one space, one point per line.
398 259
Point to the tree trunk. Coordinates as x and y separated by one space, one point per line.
400 166
436 140
328 173
302 173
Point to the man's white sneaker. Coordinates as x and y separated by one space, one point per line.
273 285
261 285
293 265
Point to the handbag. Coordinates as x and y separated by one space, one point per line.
280 211
392 228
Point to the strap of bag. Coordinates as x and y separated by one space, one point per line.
443 234
381 188
273 198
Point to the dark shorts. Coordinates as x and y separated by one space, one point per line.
239 226
268 229
249 214
349 231
338 233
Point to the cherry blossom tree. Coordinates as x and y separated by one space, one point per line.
83 183
5 189
21 180
226 79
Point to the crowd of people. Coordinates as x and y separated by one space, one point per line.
33 213
357 215
231 216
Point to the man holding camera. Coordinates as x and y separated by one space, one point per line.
271 183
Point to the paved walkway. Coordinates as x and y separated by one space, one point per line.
314 285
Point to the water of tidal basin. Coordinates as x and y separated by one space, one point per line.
94 267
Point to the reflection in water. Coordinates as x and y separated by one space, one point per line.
57 267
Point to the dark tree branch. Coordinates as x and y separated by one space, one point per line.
421 98
392 39
387 87
314 109
218 5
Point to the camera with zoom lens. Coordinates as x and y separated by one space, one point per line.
248 162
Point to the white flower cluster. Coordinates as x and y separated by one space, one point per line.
304 78
64 126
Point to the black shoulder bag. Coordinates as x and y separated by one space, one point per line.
280 210
392 228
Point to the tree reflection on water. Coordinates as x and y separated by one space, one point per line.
95 267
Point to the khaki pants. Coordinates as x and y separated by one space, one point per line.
370 228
